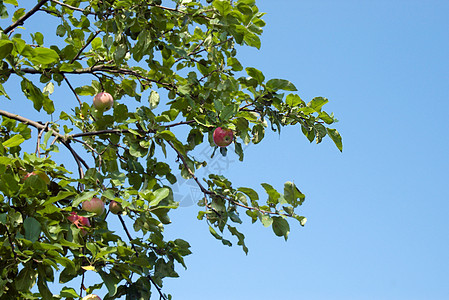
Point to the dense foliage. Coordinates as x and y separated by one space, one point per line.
168 66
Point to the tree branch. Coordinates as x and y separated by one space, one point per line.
73 90
43 127
209 193
26 16
73 7
84 47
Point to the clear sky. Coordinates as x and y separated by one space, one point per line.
378 225
378 213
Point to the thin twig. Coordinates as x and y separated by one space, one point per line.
73 90
12 243
180 123
39 136
73 7
209 193
100 160
26 16
84 47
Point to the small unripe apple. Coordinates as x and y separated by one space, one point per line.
223 137
91 297
115 207
42 175
95 205
103 101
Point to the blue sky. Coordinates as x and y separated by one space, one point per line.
378 212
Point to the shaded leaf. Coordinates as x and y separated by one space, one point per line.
280 227
32 229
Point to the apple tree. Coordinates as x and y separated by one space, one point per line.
166 75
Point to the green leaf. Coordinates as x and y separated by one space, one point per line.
42 286
26 279
214 233
256 74
86 90
280 84
160 194
68 293
273 195
280 227
228 112
335 136
154 99
45 56
292 194
18 14
224 7
266 220
16 140
293 100
13 2
49 88
111 282
252 194
252 40
32 229
84 196
240 237
258 132
317 103
37 97
3 92
60 30
6 47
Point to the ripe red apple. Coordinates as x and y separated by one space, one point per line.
223 137
115 207
79 221
91 297
73 217
42 175
95 205
103 101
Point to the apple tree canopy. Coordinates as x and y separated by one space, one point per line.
168 65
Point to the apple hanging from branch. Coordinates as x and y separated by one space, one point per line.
79 221
95 205
42 175
223 137
115 207
103 101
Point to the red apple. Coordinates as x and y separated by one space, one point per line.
223 137
95 205
91 297
79 221
42 175
115 207
103 101
73 217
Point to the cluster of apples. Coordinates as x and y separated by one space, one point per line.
96 206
